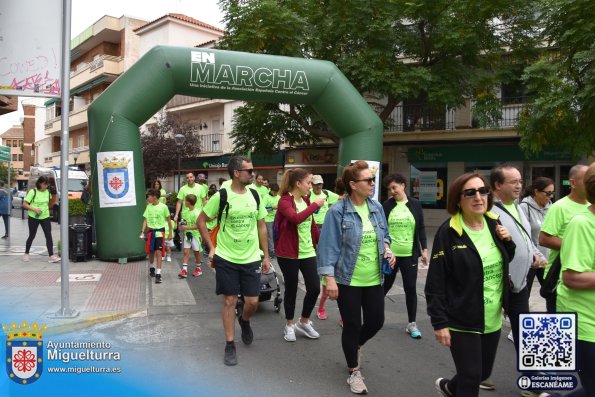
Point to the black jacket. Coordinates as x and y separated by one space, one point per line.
420 241
454 285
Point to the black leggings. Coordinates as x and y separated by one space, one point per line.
352 301
408 267
5 219
46 226
531 276
291 269
474 356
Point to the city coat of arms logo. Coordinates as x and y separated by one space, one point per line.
115 177
24 352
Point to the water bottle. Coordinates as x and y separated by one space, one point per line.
386 269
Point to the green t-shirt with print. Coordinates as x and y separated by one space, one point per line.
197 190
401 227
556 220
321 212
190 218
305 245
41 200
174 227
513 210
237 240
162 198
213 222
367 271
578 254
156 216
269 202
491 258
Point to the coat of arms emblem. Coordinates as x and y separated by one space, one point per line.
24 352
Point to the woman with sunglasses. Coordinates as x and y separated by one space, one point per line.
353 244
467 284
535 202
296 248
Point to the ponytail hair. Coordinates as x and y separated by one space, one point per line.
291 177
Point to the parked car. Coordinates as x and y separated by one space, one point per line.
17 199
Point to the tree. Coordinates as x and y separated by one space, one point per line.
438 51
4 173
160 152
562 80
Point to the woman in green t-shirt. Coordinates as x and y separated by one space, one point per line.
296 249
37 203
157 186
467 284
353 245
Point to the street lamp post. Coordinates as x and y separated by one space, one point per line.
180 139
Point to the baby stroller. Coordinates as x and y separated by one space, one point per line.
269 285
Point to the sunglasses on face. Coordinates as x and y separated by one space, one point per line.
248 170
470 193
370 181
549 194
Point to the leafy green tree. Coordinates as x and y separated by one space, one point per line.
4 173
435 51
160 152
562 80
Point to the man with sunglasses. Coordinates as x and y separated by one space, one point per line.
558 217
507 185
242 234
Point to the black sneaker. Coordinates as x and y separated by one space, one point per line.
152 271
230 358
247 334
158 279
5 236
441 387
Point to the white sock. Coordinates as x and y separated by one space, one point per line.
158 271
185 266
152 265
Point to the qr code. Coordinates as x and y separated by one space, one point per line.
547 342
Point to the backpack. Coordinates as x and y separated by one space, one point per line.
551 281
224 206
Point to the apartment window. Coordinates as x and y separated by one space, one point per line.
20 157
15 157
514 92
81 140
15 143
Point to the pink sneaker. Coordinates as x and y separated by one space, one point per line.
26 258
54 259
183 273
197 272
321 314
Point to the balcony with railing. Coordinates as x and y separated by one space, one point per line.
423 117
104 65
211 143
76 119
182 100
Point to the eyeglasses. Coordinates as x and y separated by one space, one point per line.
370 181
470 193
248 170
549 194
515 182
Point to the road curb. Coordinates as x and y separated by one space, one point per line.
82 323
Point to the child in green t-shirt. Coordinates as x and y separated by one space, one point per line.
156 219
191 236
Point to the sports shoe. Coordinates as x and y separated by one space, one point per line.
321 313
441 387
307 329
54 259
413 331
183 273
26 258
5 236
158 279
510 336
487 384
152 271
168 258
197 272
289 333
230 358
247 334
356 383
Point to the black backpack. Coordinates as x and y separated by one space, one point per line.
551 281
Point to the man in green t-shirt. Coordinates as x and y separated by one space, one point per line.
237 257
156 219
559 215
259 186
190 188
318 192
271 201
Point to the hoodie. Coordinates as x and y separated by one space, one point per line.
535 214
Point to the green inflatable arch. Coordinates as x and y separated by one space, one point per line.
115 117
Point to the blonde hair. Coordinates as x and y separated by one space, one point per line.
291 177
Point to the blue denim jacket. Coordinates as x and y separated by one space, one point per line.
341 238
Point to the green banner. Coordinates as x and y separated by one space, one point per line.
4 153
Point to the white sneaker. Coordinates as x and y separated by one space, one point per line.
289 333
168 258
356 383
511 336
54 259
307 329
